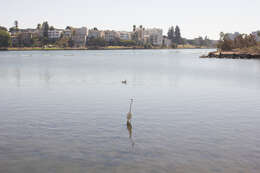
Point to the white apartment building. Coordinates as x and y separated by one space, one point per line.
80 36
111 35
92 33
146 39
155 36
138 33
54 34
67 33
123 35
167 42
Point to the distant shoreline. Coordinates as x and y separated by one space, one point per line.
95 48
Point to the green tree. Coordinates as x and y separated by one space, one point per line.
38 26
207 42
16 24
12 29
3 28
134 28
148 46
52 28
45 28
127 43
171 33
241 41
221 36
36 41
63 42
68 28
96 42
71 42
178 35
200 41
4 39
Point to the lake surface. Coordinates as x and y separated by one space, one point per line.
65 112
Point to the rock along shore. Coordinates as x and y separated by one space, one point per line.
232 54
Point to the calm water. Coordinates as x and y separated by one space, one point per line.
65 112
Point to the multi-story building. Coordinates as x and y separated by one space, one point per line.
167 42
29 30
155 36
146 39
22 39
80 37
94 33
138 34
123 35
152 36
54 34
14 41
111 35
67 33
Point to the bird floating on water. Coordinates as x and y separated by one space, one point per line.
124 82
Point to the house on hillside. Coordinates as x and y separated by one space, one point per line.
155 36
94 33
79 37
54 34
111 35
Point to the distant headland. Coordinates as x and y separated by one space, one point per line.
237 46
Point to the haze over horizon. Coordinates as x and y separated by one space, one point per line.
195 19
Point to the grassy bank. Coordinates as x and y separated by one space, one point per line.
58 48
249 50
40 48
188 46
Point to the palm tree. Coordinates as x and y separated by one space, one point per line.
222 35
39 26
16 24
134 28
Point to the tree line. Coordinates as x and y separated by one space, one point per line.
239 42
4 38
175 36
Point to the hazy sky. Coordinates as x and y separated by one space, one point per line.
195 17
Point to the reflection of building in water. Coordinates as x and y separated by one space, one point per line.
18 77
46 76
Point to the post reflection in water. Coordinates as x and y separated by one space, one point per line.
17 75
129 124
130 131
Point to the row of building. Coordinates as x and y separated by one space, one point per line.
153 36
